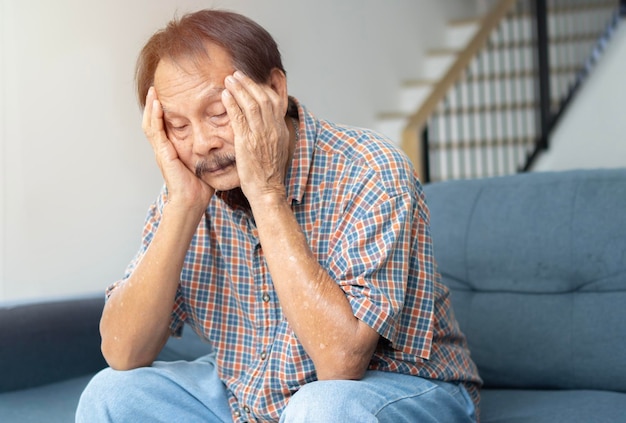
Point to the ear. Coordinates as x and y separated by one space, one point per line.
278 82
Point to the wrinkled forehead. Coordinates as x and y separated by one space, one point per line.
195 57
189 83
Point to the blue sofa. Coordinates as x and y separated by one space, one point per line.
536 264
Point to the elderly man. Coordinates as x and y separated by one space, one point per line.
298 248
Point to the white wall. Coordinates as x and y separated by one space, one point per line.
76 173
592 134
3 174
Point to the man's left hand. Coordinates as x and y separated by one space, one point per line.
262 142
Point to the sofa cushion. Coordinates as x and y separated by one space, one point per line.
526 406
55 402
537 268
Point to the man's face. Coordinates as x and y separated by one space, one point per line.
194 117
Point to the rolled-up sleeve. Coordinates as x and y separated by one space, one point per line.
381 256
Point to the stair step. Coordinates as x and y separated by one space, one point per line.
413 94
516 74
437 63
475 144
460 32
477 109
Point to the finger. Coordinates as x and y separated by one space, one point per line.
154 128
235 115
257 102
147 110
256 90
262 93
156 118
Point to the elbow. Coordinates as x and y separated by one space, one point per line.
121 359
348 360
117 363
128 351
348 367
125 363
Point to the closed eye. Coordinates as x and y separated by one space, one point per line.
221 119
177 131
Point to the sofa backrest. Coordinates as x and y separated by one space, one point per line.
44 342
536 264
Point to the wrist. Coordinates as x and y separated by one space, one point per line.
181 211
269 199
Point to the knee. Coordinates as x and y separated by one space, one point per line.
326 401
103 394
93 396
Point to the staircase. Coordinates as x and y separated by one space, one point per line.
414 92
487 100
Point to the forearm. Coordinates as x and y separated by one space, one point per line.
315 306
136 317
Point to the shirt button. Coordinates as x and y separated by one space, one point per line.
263 355
246 409
266 297
237 413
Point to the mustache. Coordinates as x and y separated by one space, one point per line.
215 162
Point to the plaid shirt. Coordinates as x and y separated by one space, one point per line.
361 207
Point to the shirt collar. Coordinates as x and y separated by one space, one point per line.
298 173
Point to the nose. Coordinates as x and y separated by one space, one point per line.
206 139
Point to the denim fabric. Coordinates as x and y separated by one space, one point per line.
177 391
191 392
380 397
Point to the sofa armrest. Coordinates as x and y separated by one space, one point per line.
46 342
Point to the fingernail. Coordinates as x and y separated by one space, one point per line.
238 74
230 79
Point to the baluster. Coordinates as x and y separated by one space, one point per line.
458 144
544 70
505 94
483 117
426 153
559 58
516 92
493 89
472 88
447 139
438 146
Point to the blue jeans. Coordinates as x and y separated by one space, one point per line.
192 392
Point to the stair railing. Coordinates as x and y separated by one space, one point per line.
494 109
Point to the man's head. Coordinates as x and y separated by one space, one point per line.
187 63
251 48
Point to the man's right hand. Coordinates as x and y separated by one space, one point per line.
184 188
136 317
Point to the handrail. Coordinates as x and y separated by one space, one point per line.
417 121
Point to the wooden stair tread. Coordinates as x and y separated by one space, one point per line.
475 143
